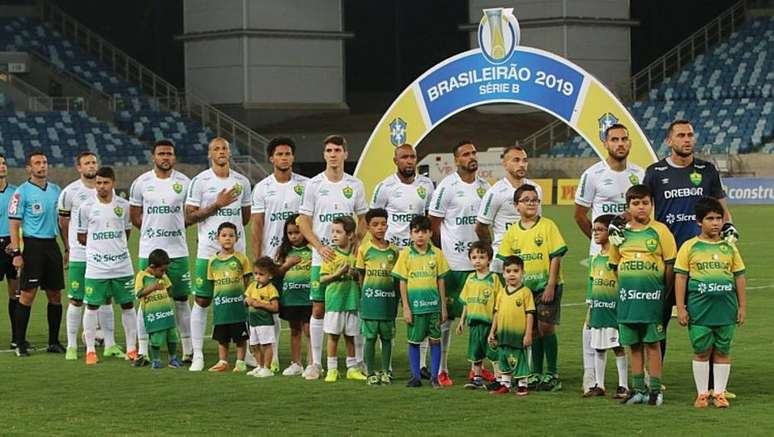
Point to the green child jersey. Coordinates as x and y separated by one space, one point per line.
603 293
295 284
421 271
641 264
479 295
158 308
711 268
227 274
265 294
378 297
343 294
537 246
511 309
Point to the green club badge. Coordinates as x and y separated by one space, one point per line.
347 191
539 240
724 248
118 211
651 244
422 192
634 179
238 188
695 178
177 187
480 191
299 189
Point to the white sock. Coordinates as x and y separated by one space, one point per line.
275 345
333 363
623 367
721 372
523 382
445 342
352 362
701 376
90 328
142 335
589 360
316 335
359 347
129 320
107 321
423 348
183 318
600 361
506 380
74 314
198 325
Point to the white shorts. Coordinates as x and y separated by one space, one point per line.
262 335
604 338
341 323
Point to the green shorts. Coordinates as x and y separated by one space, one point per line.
202 287
371 329
76 272
162 338
316 290
549 312
636 333
478 344
513 360
98 291
454 281
704 338
424 326
178 273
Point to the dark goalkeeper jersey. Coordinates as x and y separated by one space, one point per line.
676 191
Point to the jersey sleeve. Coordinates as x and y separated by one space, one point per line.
360 258
308 200
430 192
584 195
127 221
400 270
210 271
529 303
251 291
16 205
556 244
83 218
247 193
442 266
380 196
246 270
613 256
328 267
194 197
273 293
258 205
668 244
138 282
649 179
737 265
361 206
682 262
506 248
135 193
488 208
440 201
716 186
64 204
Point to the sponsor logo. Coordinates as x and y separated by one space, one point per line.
398 131
226 300
373 293
703 287
671 219
684 192
465 220
37 208
280 216
14 206
603 304
498 34
613 208
625 295
162 233
106 235
329 217
163 209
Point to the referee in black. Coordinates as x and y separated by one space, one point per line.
33 210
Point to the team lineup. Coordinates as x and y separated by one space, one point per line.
462 255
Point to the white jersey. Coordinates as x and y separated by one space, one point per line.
457 202
203 192
325 200
105 226
402 202
276 201
497 209
70 200
604 190
163 212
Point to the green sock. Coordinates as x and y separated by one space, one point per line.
369 353
655 384
386 354
172 349
551 347
537 356
155 353
638 382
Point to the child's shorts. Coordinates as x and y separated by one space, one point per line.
478 342
230 332
161 338
341 323
424 326
604 338
636 333
513 360
293 313
262 334
704 338
371 329
549 312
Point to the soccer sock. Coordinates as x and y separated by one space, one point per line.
333 363
129 320
551 348
54 316
506 380
198 325
522 382
701 376
369 354
172 349
275 345
423 348
74 314
600 361
142 335
107 321
638 382
445 343
623 367
720 377
90 328
183 317
21 320
435 360
414 352
155 353
11 311
655 384
537 356
359 345
352 363
316 335
386 355
589 360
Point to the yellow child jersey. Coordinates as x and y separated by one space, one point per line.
379 296
536 246
227 274
711 267
421 272
511 308
158 308
265 294
479 295
343 294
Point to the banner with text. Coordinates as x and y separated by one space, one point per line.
749 191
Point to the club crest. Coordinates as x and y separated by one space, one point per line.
177 187
422 192
695 178
347 191
119 212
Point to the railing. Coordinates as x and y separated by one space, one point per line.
249 167
547 136
21 85
57 104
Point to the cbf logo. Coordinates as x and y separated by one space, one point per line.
398 132
498 34
605 122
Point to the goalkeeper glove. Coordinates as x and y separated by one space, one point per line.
616 231
728 232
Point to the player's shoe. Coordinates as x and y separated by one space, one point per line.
113 351
386 378
12 345
156 364
588 393
174 363
414 383
487 375
474 384
374 380
91 358
727 393
56 348
424 373
250 360
332 376
621 393
522 391
635 397
356 374
140 361
264 373
22 350
720 401
253 372
436 384
702 400
599 391
187 359
533 381
220 366
294 369
312 372
502 390
197 365
274 367
72 354
131 355
240 366
550 382
656 398
444 379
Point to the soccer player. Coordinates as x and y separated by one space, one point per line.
479 294
157 209
32 211
421 269
152 286
378 297
538 242
275 198
403 194
511 331
7 270
710 273
330 194
262 300
453 212
602 189
104 228
215 196
643 262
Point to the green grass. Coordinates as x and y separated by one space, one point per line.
45 394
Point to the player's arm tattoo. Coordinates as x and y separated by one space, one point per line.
194 214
